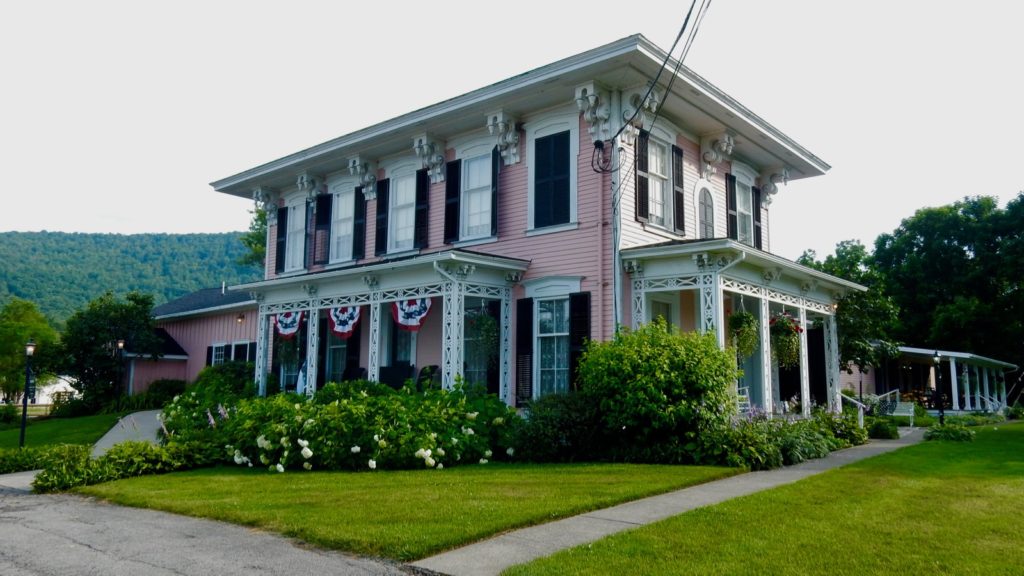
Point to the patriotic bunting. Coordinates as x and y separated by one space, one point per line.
344 320
409 314
288 323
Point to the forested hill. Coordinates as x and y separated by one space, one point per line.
62 271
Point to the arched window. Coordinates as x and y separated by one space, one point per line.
707 215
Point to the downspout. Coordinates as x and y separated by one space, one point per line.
616 115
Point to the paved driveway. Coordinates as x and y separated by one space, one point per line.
56 535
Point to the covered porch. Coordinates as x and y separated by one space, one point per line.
966 382
441 317
699 285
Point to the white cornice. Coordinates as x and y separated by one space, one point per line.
248 304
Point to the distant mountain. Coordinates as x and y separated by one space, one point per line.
61 271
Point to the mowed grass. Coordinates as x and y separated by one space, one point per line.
933 508
401 515
83 430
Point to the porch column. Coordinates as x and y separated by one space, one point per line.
805 373
373 358
955 389
711 306
638 296
262 346
312 349
505 385
835 402
967 387
1002 388
977 387
451 332
988 395
768 394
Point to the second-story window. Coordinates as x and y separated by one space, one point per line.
659 183
402 220
551 182
743 204
471 193
402 211
476 197
296 244
342 224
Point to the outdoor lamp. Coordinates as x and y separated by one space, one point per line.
120 345
30 349
937 360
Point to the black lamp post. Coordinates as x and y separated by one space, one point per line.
937 360
120 361
30 349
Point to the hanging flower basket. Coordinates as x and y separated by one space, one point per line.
785 336
744 332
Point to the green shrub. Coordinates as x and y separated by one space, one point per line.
802 440
656 389
8 413
844 427
70 466
69 407
27 458
162 391
560 428
883 429
976 419
224 383
750 443
1015 412
950 432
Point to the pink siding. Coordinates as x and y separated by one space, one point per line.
852 381
195 334
429 338
144 372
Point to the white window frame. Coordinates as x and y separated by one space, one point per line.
545 290
539 338
479 148
745 181
220 347
698 188
405 172
295 241
343 200
664 136
546 125
233 345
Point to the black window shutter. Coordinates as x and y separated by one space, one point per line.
381 244
322 232
579 332
551 180
419 236
643 207
238 352
209 355
678 193
756 197
524 350
452 196
732 223
309 233
359 225
495 171
282 239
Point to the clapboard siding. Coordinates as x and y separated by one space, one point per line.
196 333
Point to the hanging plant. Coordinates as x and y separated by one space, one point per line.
785 337
744 330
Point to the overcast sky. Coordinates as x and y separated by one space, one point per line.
115 116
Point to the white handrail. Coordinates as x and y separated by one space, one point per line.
896 391
860 409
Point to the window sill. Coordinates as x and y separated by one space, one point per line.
552 229
290 273
474 242
339 264
661 231
399 254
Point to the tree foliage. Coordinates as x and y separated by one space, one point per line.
88 350
21 320
61 271
956 273
255 241
865 321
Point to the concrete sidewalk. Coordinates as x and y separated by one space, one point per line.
136 426
490 557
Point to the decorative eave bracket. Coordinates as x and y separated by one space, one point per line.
367 173
503 125
770 180
633 267
592 102
639 110
431 154
715 149
309 184
266 200
771 275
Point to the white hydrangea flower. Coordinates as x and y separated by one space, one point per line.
472 415
487 454
429 462
302 442
307 465
382 443
284 441
279 467
372 464
511 451
483 460
307 453
440 451
498 421
440 466
356 449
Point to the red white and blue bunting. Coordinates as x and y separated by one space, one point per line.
344 320
288 323
409 314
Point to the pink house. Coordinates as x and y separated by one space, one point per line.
492 234
206 327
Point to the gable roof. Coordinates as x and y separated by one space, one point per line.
204 301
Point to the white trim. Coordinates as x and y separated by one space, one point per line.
400 169
552 286
248 304
546 125
551 229
341 187
475 242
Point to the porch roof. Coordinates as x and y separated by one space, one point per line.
402 263
749 254
928 353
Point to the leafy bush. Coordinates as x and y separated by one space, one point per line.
751 443
71 466
8 413
801 441
976 419
883 429
225 383
950 432
27 458
656 389
1015 412
560 428
71 407
843 427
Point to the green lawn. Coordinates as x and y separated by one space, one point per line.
83 430
401 515
934 508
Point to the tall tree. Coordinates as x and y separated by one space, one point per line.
255 240
955 273
865 320
89 351
20 321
